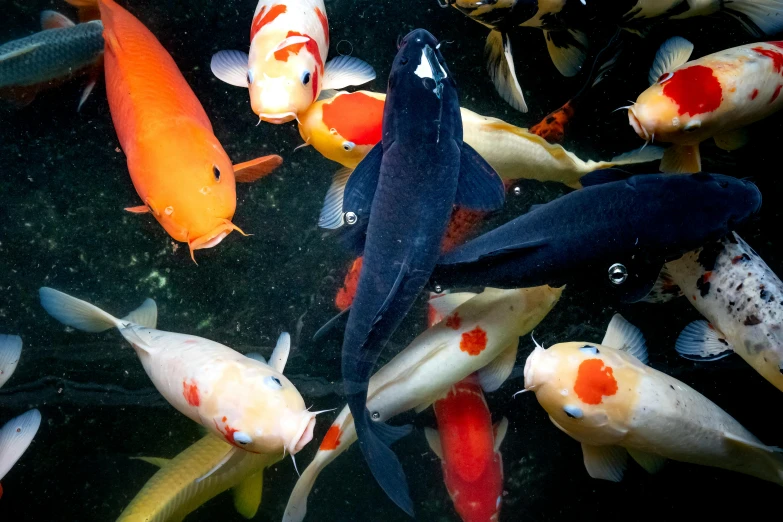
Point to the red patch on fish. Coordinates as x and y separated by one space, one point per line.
776 94
331 439
454 321
190 392
311 45
474 341
463 223
695 89
706 276
345 294
775 56
754 94
594 381
356 117
228 433
263 18
324 24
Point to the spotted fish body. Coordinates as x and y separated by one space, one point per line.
174 491
50 54
735 290
477 334
712 97
615 405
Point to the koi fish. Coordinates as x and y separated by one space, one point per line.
712 97
179 169
345 127
284 72
421 152
249 404
635 226
174 490
62 50
735 290
607 398
17 434
560 21
479 333
469 448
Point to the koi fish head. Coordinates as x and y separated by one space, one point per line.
679 107
284 75
587 389
257 409
195 197
345 127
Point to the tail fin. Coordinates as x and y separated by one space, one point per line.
75 312
759 17
10 350
605 61
15 437
374 440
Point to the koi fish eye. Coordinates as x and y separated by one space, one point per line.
572 411
305 77
348 146
692 126
216 172
404 60
273 382
618 274
249 77
589 350
665 77
242 438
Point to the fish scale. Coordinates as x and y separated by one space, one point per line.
60 52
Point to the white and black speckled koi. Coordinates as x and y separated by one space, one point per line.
741 297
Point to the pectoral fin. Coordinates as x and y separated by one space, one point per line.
231 67
54 20
252 170
480 187
10 351
155 461
279 356
247 495
651 462
332 211
500 429
492 376
342 71
664 289
732 140
681 159
622 335
433 439
141 209
358 196
673 53
500 65
232 457
700 341
605 462
568 50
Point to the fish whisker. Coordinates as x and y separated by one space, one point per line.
623 107
520 391
293 459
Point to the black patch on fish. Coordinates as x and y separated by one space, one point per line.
704 287
739 286
723 341
709 254
737 259
752 320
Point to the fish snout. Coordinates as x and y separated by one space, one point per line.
531 363
303 433
637 125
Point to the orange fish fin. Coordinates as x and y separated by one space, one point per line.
111 41
55 20
681 159
255 169
88 9
141 209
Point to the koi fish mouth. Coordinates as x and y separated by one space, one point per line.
305 434
282 117
213 238
530 365
637 125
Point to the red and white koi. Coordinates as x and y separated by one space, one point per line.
606 397
479 334
246 402
285 72
712 97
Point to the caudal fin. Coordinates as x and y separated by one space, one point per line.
759 17
374 440
75 312
15 437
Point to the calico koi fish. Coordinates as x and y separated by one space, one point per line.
249 404
285 72
179 169
562 20
741 299
607 398
62 50
478 333
17 434
712 97
175 490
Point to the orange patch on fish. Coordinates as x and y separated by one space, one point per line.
331 439
356 117
345 294
324 24
594 381
462 225
190 392
228 433
474 341
263 18
454 321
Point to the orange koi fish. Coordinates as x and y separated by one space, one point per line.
177 165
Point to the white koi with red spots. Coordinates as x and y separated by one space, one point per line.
712 97
607 398
285 72
248 403
479 334
735 290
